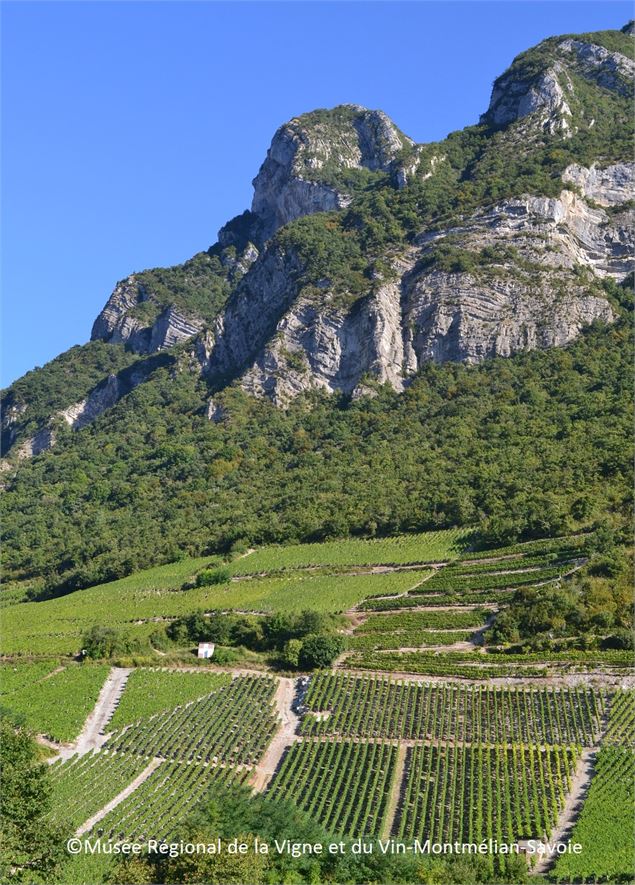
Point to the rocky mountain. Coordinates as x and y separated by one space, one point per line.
365 256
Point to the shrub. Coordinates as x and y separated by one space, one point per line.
319 651
208 577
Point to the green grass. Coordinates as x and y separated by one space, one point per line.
152 691
399 550
55 626
57 707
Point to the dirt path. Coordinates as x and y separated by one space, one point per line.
93 735
101 814
585 770
395 792
284 737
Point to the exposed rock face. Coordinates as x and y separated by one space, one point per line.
101 398
43 440
514 98
118 324
610 70
293 180
261 297
539 293
549 94
612 186
525 273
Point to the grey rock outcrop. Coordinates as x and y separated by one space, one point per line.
534 285
613 186
295 178
610 70
524 273
117 322
546 96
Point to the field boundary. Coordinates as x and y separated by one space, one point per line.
127 791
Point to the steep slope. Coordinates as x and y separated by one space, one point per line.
367 266
365 256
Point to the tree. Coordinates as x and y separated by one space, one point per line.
102 642
31 850
319 651
290 656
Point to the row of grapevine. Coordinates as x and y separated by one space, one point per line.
472 793
490 580
492 663
515 563
381 707
605 828
343 785
570 545
149 691
428 620
402 549
156 808
407 639
464 665
621 725
426 597
233 725
84 784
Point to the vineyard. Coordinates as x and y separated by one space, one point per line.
435 598
407 639
152 691
84 784
398 550
55 626
232 725
57 705
157 807
14 677
474 793
621 724
383 708
428 620
605 828
373 756
490 664
342 784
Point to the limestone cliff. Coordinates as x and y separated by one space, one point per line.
364 255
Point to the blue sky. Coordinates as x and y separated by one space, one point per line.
132 131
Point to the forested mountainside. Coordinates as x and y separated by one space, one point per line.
396 336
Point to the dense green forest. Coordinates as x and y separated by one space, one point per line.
521 447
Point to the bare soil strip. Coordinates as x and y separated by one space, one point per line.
284 737
584 772
395 791
101 814
92 735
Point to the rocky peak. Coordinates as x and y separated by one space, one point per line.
302 172
541 81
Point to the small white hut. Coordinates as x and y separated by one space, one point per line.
205 649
